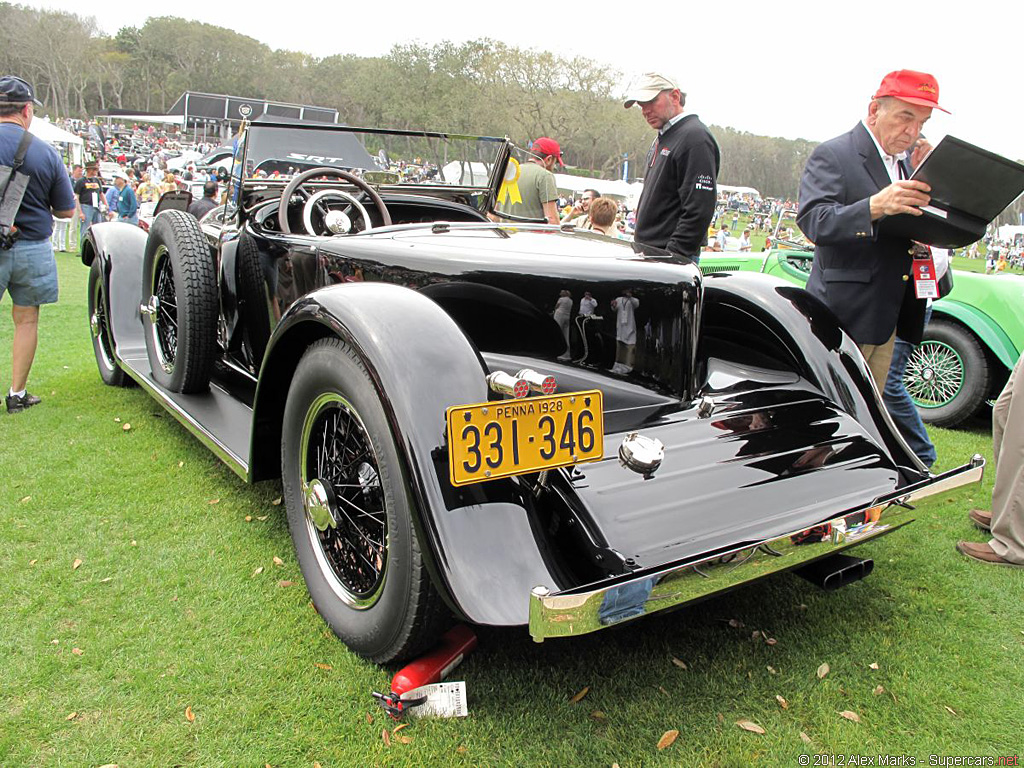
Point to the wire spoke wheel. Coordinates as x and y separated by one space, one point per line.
935 374
348 529
165 324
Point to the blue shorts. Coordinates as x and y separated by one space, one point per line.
29 271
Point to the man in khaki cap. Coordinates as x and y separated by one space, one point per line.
679 196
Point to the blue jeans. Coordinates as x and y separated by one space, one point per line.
901 407
133 219
93 215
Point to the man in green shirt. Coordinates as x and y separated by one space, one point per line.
537 184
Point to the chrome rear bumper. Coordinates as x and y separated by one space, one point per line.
588 609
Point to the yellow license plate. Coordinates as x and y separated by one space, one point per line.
511 437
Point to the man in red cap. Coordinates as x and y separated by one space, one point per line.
848 185
537 184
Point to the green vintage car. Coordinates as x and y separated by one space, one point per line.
970 346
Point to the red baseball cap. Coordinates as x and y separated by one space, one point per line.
546 146
915 87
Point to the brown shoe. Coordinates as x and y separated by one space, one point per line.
981 518
983 554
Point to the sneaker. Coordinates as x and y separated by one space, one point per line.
17 404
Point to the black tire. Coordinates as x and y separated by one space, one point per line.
253 300
181 335
948 376
356 543
102 338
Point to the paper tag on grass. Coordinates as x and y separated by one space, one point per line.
443 700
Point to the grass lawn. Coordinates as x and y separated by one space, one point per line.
177 603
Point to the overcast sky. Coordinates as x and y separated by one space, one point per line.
795 69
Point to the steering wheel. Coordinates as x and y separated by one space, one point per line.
314 200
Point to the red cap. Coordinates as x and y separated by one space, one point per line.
915 87
546 146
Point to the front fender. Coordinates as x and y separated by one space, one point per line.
481 550
120 248
988 332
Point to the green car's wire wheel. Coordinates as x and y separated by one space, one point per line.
948 375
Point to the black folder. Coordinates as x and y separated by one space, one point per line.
970 187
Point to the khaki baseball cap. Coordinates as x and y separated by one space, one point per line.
648 87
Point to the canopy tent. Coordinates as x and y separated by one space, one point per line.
69 145
738 191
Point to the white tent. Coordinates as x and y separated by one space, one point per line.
66 143
574 185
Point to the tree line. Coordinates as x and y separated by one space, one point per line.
480 87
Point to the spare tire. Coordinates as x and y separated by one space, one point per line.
179 296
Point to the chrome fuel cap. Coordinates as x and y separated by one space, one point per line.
641 454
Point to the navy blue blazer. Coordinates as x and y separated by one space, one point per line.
862 276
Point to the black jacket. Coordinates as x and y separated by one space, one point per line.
862 276
680 191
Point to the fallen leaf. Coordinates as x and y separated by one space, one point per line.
135 543
181 464
278 560
261 518
770 640
248 518
213 501
104 581
117 419
174 599
721 718
369 719
756 634
33 562
399 727
386 737
950 710
873 665
823 670
801 607
126 426
879 690
257 572
579 696
72 716
286 583
662 689
735 623
109 765
598 715
852 716
276 502
747 725
805 738
26 498
315 765
679 662
461 749
55 641
189 715
321 665
75 565
772 670
405 739
782 702
77 651
667 738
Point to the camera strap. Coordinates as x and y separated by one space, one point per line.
9 208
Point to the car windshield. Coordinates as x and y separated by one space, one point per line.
277 151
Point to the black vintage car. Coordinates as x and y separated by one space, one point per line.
500 422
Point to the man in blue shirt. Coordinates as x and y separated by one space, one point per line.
127 205
27 269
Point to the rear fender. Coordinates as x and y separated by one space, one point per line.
774 315
481 550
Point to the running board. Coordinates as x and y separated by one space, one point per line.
216 418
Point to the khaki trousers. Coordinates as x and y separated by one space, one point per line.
1008 447
879 357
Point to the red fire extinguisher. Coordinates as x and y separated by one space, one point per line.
433 667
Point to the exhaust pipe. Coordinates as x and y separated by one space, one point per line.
831 573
